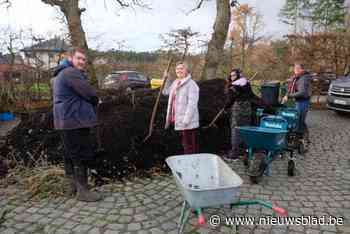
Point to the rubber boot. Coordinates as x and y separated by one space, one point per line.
70 189
81 181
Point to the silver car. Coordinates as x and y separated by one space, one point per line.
338 98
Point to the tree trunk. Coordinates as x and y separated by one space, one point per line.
217 42
72 12
347 17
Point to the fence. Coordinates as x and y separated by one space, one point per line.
25 91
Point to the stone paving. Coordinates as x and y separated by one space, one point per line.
152 205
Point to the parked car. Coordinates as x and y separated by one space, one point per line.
338 97
129 79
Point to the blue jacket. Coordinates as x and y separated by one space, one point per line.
74 99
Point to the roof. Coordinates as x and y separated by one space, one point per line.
55 44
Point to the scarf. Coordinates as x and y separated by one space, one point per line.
173 103
292 84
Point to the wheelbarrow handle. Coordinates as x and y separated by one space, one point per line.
201 218
268 205
280 210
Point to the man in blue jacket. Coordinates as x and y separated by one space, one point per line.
74 104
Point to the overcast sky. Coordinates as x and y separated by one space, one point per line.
139 28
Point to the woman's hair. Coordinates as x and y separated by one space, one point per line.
228 79
185 64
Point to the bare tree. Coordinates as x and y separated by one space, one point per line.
217 41
179 40
245 31
72 13
7 3
347 17
10 43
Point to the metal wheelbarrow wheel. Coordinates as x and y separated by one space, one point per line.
256 168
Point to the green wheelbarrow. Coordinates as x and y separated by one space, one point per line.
268 139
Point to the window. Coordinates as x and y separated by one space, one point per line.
142 77
133 77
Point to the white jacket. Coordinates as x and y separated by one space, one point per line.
186 103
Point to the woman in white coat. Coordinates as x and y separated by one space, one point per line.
182 111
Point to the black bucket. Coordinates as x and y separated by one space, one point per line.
270 92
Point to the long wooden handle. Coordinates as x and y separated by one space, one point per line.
156 104
251 78
216 117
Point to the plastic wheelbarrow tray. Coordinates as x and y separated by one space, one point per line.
205 180
291 115
263 138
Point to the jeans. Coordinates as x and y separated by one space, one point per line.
303 108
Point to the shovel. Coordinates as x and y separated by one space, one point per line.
156 104
212 123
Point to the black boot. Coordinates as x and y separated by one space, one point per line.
81 180
70 189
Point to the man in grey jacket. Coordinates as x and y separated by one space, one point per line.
74 102
299 89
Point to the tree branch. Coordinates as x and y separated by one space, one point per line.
131 3
54 2
122 3
199 5
7 3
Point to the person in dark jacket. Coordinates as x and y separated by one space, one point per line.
299 89
239 96
74 104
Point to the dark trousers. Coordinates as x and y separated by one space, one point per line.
78 146
236 141
189 141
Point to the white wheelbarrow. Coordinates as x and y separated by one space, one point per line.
205 180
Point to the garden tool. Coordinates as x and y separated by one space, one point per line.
156 104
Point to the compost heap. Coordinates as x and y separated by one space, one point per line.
123 124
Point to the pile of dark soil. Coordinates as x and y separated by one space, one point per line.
123 124
3 168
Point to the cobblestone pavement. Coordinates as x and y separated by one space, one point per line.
321 187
